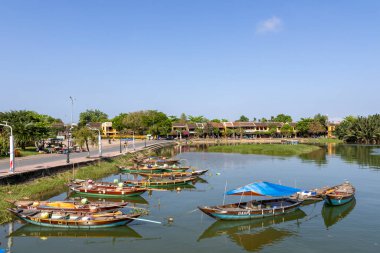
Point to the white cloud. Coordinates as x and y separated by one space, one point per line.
274 24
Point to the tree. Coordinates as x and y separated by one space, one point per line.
360 130
84 136
224 120
173 118
183 118
91 115
322 119
316 128
254 119
286 130
272 131
302 126
283 118
216 120
29 127
197 119
263 120
118 122
243 119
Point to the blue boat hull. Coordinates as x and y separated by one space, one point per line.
337 202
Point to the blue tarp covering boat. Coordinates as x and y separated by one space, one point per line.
264 189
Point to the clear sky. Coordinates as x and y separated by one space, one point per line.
220 59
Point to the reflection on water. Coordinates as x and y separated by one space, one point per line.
360 154
44 232
253 235
365 155
333 214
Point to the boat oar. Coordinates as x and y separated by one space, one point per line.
152 221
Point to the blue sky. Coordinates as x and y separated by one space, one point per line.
220 59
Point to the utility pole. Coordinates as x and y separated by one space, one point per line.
69 131
11 149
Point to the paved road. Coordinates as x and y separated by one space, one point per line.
46 158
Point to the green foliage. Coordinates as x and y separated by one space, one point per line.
92 116
322 119
118 122
28 126
243 119
286 130
197 119
316 128
84 136
302 126
216 120
364 130
224 120
183 118
283 118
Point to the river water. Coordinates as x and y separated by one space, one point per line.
314 228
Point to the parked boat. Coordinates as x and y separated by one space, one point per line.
256 209
340 194
108 191
140 169
160 182
252 209
160 160
73 220
174 174
68 206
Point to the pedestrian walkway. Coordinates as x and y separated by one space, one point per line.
24 172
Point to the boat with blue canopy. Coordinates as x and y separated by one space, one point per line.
279 205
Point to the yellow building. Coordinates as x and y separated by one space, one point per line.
107 130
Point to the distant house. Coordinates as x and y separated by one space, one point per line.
108 130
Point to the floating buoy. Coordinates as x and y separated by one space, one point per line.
218 174
178 189
116 181
84 201
43 238
170 219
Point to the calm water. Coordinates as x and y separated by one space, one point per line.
315 228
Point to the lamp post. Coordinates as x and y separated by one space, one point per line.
133 140
68 146
99 139
11 149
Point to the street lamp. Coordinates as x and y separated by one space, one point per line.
11 149
99 139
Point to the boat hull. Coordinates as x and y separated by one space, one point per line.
336 201
107 194
239 211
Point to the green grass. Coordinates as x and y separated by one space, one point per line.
47 187
322 140
265 149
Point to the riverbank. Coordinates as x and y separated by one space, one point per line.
265 149
261 141
47 187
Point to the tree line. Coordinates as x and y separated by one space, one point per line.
32 129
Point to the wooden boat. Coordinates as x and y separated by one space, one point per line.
140 169
160 160
30 230
340 194
68 206
164 182
134 200
174 174
252 209
108 191
73 220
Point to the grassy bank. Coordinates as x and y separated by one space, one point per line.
265 149
321 140
47 187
